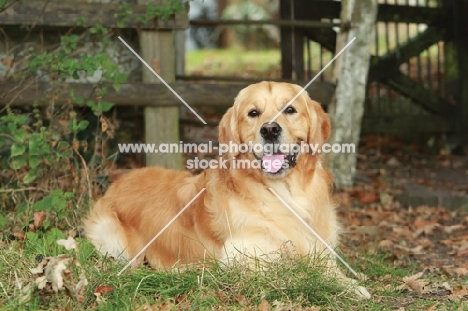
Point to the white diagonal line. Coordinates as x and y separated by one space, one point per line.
160 232
164 82
313 79
314 233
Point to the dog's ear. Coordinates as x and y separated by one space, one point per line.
229 130
319 123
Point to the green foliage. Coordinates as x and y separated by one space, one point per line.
123 17
44 151
45 242
164 12
6 3
153 11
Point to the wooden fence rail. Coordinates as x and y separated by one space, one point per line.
139 94
58 13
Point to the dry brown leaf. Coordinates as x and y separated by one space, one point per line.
104 124
264 306
7 61
450 229
242 300
419 286
414 282
19 235
459 293
107 126
413 277
367 197
417 250
39 218
72 233
369 230
454 271
103 289
426 229
421 222
386 245
76 144
386 277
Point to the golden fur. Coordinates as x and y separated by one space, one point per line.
237 213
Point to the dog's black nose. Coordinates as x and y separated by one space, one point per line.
270 131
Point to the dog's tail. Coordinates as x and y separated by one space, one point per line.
102 228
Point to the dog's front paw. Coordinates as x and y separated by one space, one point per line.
362 292
353 286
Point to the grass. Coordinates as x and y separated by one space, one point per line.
232 62
291 284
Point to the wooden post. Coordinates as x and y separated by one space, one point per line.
461 46
292 44
351 72
161 123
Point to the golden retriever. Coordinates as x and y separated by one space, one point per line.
237 213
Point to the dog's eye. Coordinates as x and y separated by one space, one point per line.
290 110
253 113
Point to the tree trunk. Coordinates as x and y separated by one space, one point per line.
351 71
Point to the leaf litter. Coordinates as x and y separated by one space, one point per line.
54 274
433 238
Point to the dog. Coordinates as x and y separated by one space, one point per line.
240 210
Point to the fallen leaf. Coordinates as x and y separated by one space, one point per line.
393 162
7 61
54 271
450 229
386 244
369 230
426 229
69 243
39 218
264 306
100 300
40 267
41 282
19 235
414 282
103 289
107 126
417 285
367 197
459 293
80 287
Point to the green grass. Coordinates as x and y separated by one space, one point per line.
292 283
232 62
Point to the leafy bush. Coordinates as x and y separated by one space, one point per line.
53 156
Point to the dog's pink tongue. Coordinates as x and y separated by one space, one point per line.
273 163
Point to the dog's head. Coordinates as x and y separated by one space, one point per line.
276 138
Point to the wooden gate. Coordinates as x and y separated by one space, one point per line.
416 76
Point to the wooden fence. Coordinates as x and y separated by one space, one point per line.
308 21
418 77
